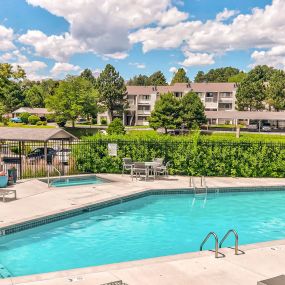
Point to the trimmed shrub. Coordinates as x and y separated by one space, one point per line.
25 117
116 127
187 156
103 121
33 119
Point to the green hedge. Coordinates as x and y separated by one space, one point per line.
187 156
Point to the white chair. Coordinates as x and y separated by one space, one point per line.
127 164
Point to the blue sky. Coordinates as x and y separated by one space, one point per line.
52 38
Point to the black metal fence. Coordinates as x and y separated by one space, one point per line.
39 159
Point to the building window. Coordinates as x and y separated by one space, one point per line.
226 95
144 107
145 97
226 106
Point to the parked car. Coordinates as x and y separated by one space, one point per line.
39 153
63 155
252 126
81 121
16 120
266 127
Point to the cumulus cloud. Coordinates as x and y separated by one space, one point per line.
59 48
261 29
226 14
63 68
197 59
6 38
173 69
274 57
103 26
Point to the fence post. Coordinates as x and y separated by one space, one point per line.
20 159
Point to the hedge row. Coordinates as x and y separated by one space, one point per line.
187 157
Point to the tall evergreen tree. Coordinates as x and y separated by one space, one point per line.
112 90
88 75
157 79
180 77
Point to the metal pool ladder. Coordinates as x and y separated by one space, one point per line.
236 239
216 243
49 174
219 245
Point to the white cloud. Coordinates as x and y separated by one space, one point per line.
274 57
59 48
63 68
173 69
117 55
226 14
6 38
261 29
172 17
197 59
103 26
138 65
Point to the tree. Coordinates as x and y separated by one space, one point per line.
166 113
112 90
34 96
157 79
140 80
250 95
87 74
192 111
116 127
2 111
25 117
180 77
217 75
74 97
200 77
237 78
275 91
11 95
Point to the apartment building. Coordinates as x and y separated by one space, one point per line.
215 96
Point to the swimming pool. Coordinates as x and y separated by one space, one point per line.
151 226
75 181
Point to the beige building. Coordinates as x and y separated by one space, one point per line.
215 96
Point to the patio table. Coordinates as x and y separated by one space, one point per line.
151 165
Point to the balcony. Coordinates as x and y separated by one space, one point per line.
144 112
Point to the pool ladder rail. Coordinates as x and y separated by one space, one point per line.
199 190
219 245
59 173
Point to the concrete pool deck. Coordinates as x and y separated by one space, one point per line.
35 200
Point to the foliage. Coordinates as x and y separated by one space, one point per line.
33 119
25 117
192 111
157 79
217 75
275 91
139 80
11 95
195 155
88 75
112 90
180 77
103 121
74 97
238 77
116 127
166 113
2 110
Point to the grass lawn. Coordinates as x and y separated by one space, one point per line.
21 125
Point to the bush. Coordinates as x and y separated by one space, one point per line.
116 127
61 121
193 155
39 123
104 121
25 117
33 119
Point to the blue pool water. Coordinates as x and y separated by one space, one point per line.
76 181
152 226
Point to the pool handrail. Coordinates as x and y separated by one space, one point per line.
216 243
49 174
236 239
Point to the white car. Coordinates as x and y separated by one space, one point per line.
266 128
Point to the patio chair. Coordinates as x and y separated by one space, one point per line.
163 169
139 169
127 164
159 161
